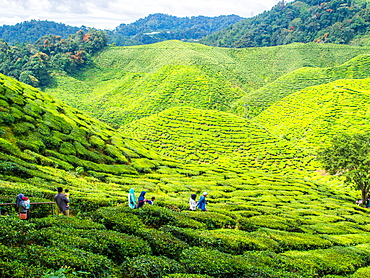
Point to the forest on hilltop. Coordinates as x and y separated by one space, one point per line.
335 21
31 31
153 28
33 63
161 27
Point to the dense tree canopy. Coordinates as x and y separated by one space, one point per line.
336 21
30 31
161 27
31 63
349 156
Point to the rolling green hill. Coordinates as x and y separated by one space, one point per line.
258 224
128 83
220 138
310 117
257 101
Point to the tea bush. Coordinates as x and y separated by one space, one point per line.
163 243
361 273
212 220
67 222
55 257
14 231
117 219
334 260
150 266
116 246
187 275
10 265
217 264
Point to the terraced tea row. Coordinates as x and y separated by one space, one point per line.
219 138
261 99
312 116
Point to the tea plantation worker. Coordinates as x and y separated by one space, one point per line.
62 202
132 199
141 199
24 208
18 200
192 202
151 201
202 201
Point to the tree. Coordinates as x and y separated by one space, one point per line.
349 156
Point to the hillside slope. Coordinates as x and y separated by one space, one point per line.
310 117
220 138
259 100
257 224
128 83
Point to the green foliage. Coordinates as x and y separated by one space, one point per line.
213 220
266 217
163 243
14 231
348 155
297 21
150 266
218 264
116 246
261 99
32 63
160 27
335 260
124 78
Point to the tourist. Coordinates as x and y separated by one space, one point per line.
62 202
192 202
141 199
132 199
202 202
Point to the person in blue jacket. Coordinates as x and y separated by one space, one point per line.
141 199
202 202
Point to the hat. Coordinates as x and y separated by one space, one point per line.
205 193
24 198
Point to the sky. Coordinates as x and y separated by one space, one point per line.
108 14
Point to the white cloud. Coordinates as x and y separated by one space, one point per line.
110 13
10 20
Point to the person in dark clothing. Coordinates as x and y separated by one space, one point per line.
18 200
24 208
151 201
141 199
62 202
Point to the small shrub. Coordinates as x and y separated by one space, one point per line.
15 231
150 266
162 243
117 219
213 220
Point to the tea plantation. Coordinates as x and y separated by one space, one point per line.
270 211
128 83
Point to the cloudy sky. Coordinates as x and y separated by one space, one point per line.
108 14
